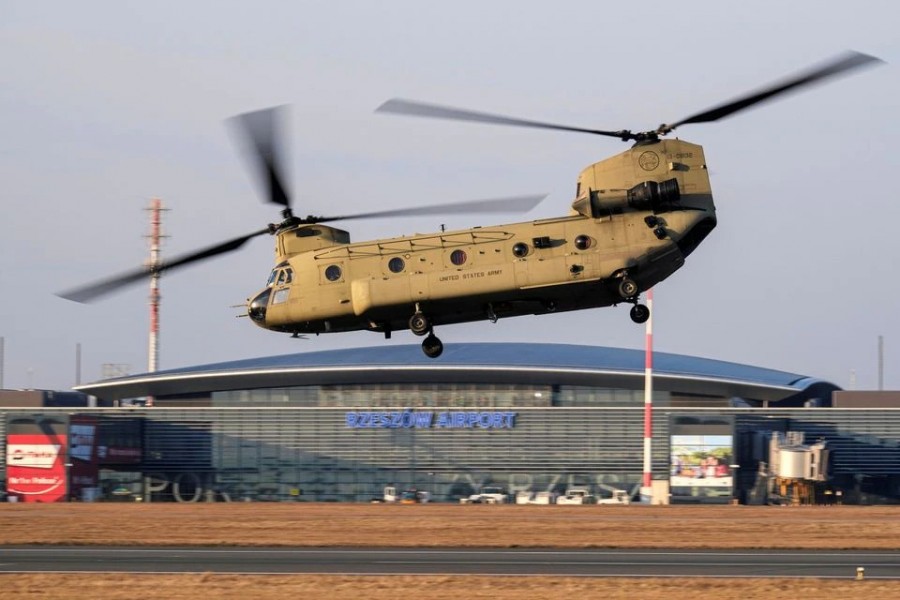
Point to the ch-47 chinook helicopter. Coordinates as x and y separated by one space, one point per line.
635 218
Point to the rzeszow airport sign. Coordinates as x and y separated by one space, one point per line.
406 419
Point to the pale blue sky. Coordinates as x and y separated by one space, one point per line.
104 105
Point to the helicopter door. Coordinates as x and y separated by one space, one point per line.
418 286
522 257
520 266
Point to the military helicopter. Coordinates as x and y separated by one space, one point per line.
636 217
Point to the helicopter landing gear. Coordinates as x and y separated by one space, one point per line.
627 288
419 323
639 313
432 346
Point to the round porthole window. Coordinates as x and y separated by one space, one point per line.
458 257
583 242
520 250
396 264
333 273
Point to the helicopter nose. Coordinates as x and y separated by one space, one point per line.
256 308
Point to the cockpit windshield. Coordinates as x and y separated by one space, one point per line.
280 276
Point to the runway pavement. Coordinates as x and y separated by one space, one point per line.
395 561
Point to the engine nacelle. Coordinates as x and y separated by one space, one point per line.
647 195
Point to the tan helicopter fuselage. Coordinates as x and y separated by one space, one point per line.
636 216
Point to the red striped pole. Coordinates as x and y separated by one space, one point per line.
156 208
153 263
648 394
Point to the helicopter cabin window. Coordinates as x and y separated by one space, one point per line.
583 242
396 265
520 250
288 275
282 276
333 273
458 257
271 280
280 295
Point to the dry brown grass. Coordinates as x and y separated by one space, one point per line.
435 525
338 587
508 526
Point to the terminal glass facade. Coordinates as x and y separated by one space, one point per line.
351 451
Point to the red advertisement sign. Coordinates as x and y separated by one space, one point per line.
36 466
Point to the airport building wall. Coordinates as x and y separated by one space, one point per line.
341 425
349 453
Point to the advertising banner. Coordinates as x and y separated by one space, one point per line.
701 461
702 454
36 451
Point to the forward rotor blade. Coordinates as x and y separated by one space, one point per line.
839 65
101 288
420 109
517 204
263 129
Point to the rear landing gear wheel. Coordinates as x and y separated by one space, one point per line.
627 288
419 324
640 313
432 346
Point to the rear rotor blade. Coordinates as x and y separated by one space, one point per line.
517 204
842 64
420 109
101 288
263 129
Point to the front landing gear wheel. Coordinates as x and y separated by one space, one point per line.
419 324
640 313
627 288
432 346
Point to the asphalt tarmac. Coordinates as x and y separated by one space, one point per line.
461 561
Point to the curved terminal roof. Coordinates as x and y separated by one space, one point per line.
495 363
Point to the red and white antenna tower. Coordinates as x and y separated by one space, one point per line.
156 208
648 397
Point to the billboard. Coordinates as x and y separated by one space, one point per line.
36 453
702 455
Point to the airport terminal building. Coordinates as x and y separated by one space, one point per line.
341 425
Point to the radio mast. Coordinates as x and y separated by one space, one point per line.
156 208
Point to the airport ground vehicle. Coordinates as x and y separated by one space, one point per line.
414 496
535 497
577 496
411 496
489 495
618 497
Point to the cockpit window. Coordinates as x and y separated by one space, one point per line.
280 276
